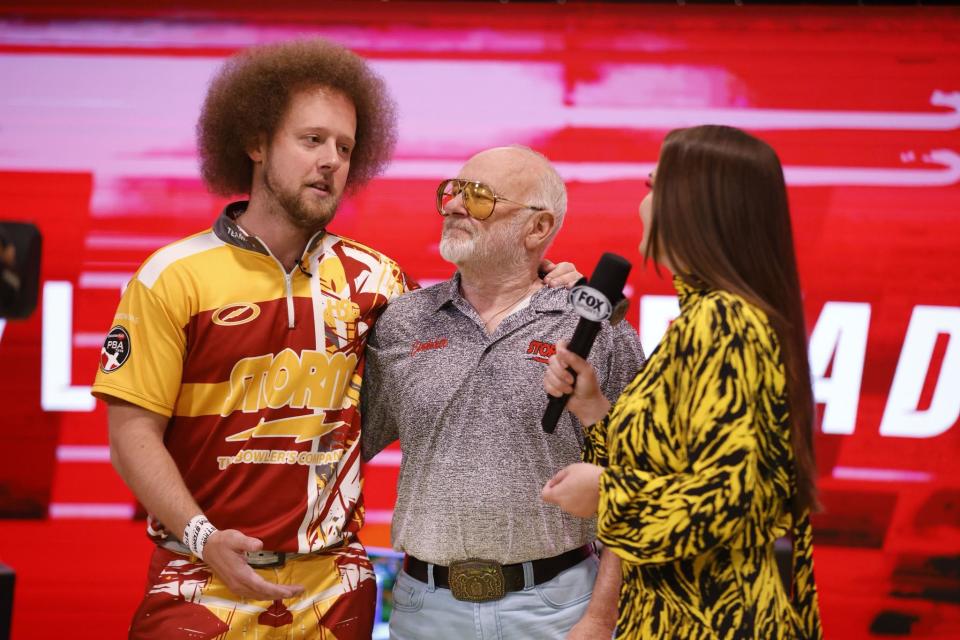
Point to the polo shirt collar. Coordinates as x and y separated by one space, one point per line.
544 300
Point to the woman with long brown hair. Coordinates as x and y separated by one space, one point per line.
706 458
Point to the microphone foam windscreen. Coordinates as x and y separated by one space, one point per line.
610 276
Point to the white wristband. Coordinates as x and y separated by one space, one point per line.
192 529
197 533
205 532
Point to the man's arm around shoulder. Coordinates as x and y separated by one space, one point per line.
600 618
384 354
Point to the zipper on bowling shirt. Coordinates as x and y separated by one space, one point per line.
288 277
288 287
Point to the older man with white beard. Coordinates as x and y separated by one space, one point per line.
454 371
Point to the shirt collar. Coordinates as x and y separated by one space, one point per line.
449 292
688 292
226 228
544 300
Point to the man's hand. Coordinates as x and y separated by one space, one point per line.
224 554
591 628
563 274
575 489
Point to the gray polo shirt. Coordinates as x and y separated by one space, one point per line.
466 407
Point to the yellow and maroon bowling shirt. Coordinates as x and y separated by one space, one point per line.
259 371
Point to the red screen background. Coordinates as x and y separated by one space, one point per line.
862 105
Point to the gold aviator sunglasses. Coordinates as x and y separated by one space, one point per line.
478 199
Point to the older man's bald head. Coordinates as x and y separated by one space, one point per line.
529 176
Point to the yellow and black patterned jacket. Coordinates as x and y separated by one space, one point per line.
698 480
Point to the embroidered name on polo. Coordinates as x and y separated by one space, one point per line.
439 343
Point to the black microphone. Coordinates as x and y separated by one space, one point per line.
598 300
303 269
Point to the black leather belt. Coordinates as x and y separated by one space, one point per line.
484 580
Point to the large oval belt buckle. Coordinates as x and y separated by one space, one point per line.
475 580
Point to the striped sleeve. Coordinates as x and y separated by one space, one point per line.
595 446
804 594
624 359
652 518
151 320
148 374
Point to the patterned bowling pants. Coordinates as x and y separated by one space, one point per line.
185 600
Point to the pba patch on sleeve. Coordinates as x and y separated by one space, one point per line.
116 349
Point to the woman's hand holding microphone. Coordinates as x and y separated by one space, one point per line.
576 488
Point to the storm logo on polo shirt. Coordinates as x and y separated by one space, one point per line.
236 313
116 349
541 351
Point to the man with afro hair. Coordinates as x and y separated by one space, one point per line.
233 365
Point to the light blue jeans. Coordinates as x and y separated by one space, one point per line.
422 611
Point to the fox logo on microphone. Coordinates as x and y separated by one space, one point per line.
589 303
